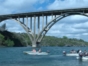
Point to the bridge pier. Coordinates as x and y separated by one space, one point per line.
34 45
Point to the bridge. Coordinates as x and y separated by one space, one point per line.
36 24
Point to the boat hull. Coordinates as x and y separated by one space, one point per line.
83 58
35 53
72 54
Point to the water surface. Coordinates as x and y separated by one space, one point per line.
14 56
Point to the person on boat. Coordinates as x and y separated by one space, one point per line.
80 54
64 52
80 51
39 50
85 53
77 51
38 46
72 51
34 50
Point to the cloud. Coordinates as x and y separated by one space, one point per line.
74 19
68 4
77 30
19 6
83 26
74 26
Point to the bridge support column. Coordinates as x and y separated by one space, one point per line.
34 44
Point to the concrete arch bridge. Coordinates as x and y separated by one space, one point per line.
36 24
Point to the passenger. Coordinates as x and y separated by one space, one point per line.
80 54
73 51
85 53
80 51
77 51
33 50
64 52
38 46
39 50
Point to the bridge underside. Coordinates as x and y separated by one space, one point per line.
38 24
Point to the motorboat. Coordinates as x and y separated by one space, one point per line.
83 57
72 54
35 53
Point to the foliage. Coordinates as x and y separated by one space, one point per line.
1 39
21 39
64 41
9 43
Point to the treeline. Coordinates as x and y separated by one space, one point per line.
64 41
9 39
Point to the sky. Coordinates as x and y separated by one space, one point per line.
75 26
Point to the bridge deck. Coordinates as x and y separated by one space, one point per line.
45 13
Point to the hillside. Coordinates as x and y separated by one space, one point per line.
9 39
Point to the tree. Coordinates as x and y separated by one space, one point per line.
1 39
9 43
64 37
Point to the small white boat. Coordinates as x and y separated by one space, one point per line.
35 53
83 58
72 54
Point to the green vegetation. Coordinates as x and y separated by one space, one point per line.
65 41
1 39
9 43
8 39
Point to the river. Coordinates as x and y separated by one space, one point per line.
14 56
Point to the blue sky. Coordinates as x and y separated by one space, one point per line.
75 26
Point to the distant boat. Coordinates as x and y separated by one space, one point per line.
70 54
35 53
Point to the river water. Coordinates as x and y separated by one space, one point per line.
14 56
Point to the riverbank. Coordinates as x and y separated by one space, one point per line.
12 39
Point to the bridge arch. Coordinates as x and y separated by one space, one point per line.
37 38
55 20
